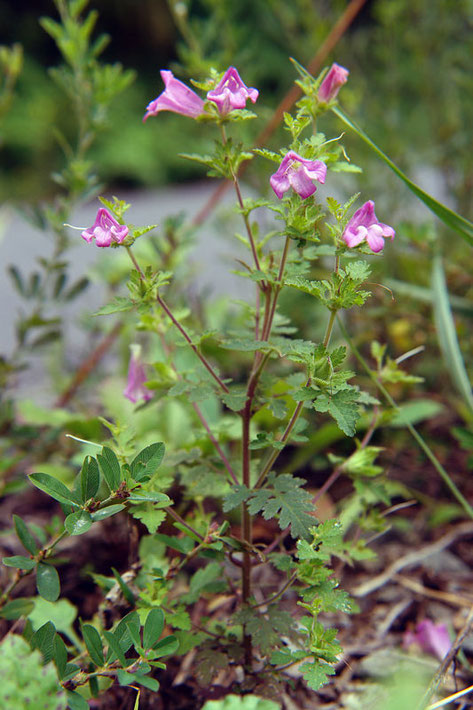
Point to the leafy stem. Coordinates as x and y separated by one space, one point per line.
414 433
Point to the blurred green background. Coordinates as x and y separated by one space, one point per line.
410 85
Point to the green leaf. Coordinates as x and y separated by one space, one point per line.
153 627
60 655
118 305
126 591
361 462
125 678
107 512
447 335
76 701
266 628
235 399
43 640
165 647
89 478
282 496
150 497
78 523
47 582
343 407
110 467
25 536
448 216
147 462
316 672
54 488
418 410
236 497
19 562
115 648
149 516
16 609
94 644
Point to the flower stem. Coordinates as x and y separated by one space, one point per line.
183 332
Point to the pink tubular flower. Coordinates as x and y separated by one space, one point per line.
105 229
176 97
135 388
298 173
364 226
330 86
432 638
231 92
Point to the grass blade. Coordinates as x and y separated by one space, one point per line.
446 333
448 216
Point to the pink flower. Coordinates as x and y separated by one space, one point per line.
176 97
105 229
330 86
135 388
298 173
364 226
432 638
231 92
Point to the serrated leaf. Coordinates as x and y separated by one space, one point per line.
236 497
283 497
147 462
153 628
110 467
235 399
16 609
266 628
78 523
118 305
209 662
47 582
149 516
19 562
315 673
343 407
54 488
94 644
25 536
89 478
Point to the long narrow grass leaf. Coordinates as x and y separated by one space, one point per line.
446 333
447 215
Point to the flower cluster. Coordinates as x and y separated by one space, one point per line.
229 94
